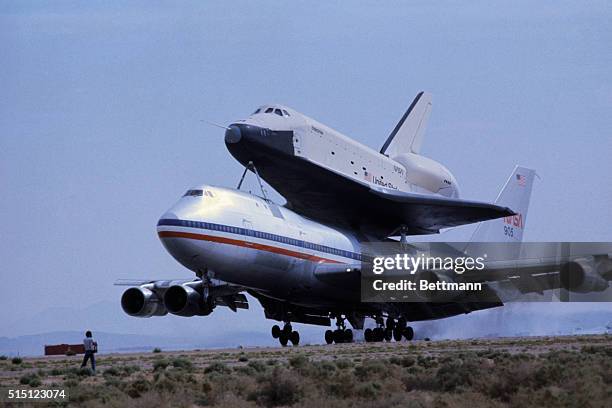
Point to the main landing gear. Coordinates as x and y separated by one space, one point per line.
286 334
340 335
395 329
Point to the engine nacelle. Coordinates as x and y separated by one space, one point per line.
142 302
581 276
603 266
183 300
428 174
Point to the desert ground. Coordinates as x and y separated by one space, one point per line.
566 371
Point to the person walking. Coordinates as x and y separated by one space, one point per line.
91 347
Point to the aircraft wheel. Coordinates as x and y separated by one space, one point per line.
287 329
338 336
348 336
388 334
397 334
283 338
276 331
367 335
409 333
390 323
294 338
401 323
378 334
329 336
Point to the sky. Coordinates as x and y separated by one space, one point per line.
102 107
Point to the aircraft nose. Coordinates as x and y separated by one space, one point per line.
168 215
233 134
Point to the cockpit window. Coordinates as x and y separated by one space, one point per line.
257 111
269 110
286 113
278 112
194 193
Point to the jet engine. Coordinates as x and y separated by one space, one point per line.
142 302
584 276
183 300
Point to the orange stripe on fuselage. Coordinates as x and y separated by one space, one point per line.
238 242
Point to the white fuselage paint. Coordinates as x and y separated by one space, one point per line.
331 149
248 241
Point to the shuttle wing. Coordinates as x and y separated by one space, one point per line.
328 196
429 214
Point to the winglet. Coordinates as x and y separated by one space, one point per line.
408 133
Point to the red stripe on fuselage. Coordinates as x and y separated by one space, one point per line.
238 242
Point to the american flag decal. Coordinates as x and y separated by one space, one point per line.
521 179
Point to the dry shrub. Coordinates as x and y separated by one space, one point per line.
341 385
136 388
371 369
281 387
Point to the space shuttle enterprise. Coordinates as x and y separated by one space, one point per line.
329 177
302 260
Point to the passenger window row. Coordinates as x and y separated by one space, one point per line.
262 235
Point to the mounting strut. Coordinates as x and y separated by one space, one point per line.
252 167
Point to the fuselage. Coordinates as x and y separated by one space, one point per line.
251 242
300 136
312 166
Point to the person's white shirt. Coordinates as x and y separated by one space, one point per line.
88 342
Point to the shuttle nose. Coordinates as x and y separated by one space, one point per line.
233 134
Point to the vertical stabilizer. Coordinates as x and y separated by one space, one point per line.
515 194
407 136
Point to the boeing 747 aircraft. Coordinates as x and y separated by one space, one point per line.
302 260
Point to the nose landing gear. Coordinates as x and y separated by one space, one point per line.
286 334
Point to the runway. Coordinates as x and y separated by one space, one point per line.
530 371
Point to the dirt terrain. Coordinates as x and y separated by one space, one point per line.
528 371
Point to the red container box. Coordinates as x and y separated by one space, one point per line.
64 349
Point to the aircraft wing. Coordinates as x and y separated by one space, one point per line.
429 213
584 274
328 196
587 275
161 284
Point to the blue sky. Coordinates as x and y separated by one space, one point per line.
101 106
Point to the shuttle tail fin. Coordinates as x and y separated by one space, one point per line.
408 133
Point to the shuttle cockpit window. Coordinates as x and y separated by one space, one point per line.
286 113
194 193
257 111
278 112
269 110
